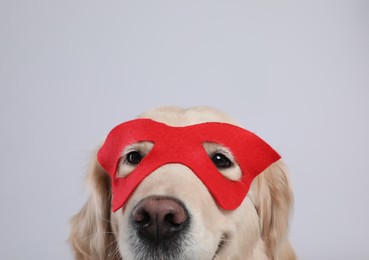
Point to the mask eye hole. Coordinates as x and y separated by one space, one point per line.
134 158
221 161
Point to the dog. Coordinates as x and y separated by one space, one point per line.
172 215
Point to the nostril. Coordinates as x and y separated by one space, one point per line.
175 219
171 221
141 217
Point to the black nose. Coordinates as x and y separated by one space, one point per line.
159 218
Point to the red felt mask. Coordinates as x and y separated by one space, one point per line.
184 145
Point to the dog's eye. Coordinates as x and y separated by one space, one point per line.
134 158
221 161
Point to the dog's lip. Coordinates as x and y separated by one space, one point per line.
221 244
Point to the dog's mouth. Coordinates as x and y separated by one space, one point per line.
171 249
221 245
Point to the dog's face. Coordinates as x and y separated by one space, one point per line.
172 215
192 225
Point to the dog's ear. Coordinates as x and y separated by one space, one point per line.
91 233
274 200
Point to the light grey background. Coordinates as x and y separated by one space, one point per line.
296 73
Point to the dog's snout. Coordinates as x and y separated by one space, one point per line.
159 218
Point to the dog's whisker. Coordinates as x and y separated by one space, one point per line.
97 233
115 250
116 254
108 220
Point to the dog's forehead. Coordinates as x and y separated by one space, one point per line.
139 130
179 117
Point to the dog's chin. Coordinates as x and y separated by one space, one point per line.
181 248
175 248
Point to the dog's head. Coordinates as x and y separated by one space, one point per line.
172 214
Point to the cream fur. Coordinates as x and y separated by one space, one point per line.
256 230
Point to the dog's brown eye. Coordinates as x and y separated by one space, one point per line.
221 161
134 158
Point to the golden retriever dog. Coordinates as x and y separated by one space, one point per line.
198 229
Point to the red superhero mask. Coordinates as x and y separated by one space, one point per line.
184 145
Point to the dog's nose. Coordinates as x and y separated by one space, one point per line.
159 218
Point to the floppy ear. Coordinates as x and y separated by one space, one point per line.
274 200
91 233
